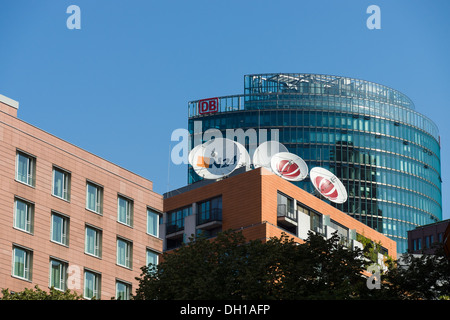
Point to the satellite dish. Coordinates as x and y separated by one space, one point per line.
328 185
264 153
192 154
216 158
289 166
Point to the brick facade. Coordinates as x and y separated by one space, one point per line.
49 151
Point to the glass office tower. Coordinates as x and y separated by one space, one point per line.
370 136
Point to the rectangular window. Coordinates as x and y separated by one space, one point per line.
209 210
94 197
58 275
23 215
91 285
152 223
285 207
123 290
22 263
61 184
93 242
125 210
60 229
317 223
124 254
175 219
152 258
25 168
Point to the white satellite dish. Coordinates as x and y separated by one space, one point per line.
328 185
264 153
244 158
216 158
289 166
192 153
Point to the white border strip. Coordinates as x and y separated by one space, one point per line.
9 101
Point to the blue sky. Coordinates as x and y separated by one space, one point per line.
119 86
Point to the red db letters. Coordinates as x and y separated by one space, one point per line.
208 105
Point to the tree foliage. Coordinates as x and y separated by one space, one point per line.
232 268
418 277
229 267
39 294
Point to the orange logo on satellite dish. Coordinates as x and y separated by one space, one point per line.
203 162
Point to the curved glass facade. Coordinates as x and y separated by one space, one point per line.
369 135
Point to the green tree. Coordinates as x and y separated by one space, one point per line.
230 267
39 294
424 277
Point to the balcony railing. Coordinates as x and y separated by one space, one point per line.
209 216
283 212
174 226
319 230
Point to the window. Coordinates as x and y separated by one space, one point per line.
124 255
93 243
58 274
60 229
125 211
175 219
91 285
61 184
152 223
122 290
25 168
23 215
152 257
285 207
210 210
94 197
316 222
342 231
22 263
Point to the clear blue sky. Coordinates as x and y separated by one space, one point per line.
120 85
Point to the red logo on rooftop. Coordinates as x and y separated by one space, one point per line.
326 187
288 169
208 105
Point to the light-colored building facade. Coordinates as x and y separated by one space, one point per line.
70 219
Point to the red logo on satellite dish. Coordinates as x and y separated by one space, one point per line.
288 169
326 187
208 105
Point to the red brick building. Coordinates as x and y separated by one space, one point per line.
422 240
262 205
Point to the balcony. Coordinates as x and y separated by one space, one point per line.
285 216
319 230
210 219
175 229
287 219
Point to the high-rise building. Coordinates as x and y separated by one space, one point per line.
369 135
70 219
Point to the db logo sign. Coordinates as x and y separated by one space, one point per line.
208 105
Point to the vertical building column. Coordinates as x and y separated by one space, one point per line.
190 224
